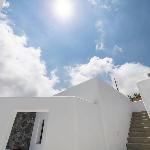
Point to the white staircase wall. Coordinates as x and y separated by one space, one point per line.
144 87
114 110
138 106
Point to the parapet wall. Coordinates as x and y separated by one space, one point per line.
144 87
138 106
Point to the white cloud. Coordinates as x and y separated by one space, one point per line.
1 3
117 49
22 72
4 4
99 3
99 26
93 2
94 67
126 75
106 4
100 46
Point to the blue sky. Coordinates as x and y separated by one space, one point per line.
128 27
120 28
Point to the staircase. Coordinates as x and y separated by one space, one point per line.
139 132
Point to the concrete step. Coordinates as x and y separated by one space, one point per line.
140 118
134 119
140 115
138 146
138 140
140 121
139 125
140 129
139 134
141 112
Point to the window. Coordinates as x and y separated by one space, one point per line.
40 132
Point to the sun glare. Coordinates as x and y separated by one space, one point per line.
63 9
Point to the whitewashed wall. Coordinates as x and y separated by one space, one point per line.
116 114
57 107
39 117
71 124
138 106
144 87
100 119
88 90
114 110
90 128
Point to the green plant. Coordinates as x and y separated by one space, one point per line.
135 97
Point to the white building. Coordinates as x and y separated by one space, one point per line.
89 116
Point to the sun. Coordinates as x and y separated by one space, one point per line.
63 9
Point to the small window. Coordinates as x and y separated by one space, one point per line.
40 132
